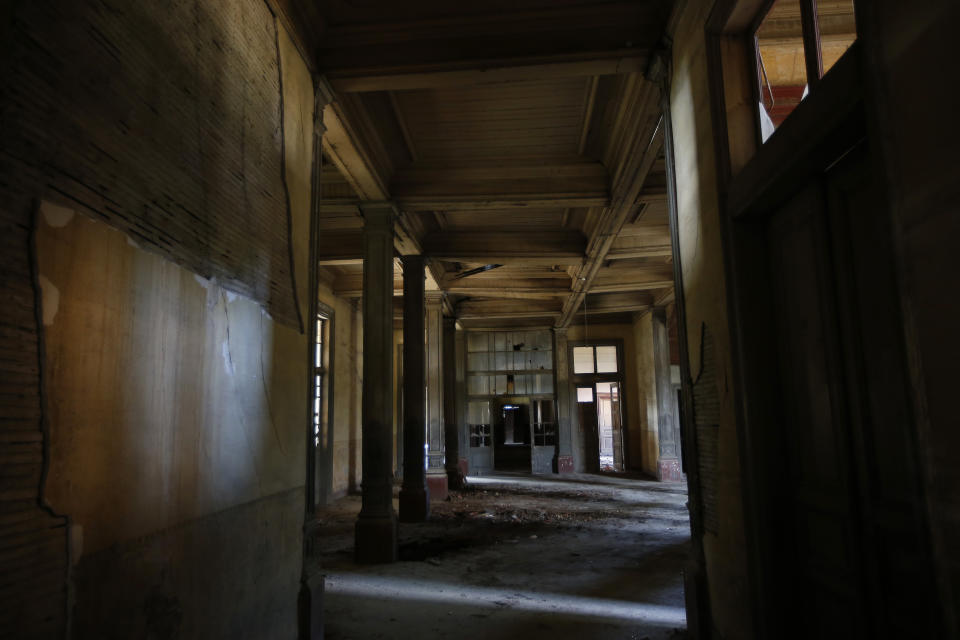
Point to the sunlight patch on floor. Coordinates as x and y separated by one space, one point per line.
372 586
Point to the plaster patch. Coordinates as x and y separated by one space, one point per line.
49 300
203 282
55 215
227 363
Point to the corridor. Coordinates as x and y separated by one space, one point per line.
511 556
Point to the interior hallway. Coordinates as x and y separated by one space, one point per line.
515 556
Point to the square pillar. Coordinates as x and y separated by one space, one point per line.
668 455
451 430
376 532
460 402
436 469
414 496
561 373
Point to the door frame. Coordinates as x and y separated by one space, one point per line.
752 178
581 379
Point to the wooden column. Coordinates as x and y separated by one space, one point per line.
668 458
436 470
561 386
376 529
460 399
451 419
414 497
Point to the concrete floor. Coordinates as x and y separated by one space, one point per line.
585 556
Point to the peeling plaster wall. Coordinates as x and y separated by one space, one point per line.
177 416
174 407
647 445
705 296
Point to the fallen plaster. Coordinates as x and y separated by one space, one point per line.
519 556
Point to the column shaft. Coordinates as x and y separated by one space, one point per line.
561 373
436 471
450 418
376 529
414 497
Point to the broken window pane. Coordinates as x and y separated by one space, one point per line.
782 65
583 359
606 359
838 30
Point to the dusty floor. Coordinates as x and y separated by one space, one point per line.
586 556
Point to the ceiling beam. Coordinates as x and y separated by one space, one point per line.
639 153
487 72
536 247
658 251
487 202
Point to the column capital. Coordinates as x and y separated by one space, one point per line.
434 298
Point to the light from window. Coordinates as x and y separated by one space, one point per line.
838 29
584 394
583 360
606 359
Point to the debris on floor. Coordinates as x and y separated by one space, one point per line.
521 556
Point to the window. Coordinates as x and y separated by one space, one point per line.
478 420
544 424
796 42
599 359
319 378
584 394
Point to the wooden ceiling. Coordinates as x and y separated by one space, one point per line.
519 141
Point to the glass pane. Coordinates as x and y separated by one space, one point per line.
584 394
478 412
838 29
781 62
478 385
583 359
477 361
606 359
477 341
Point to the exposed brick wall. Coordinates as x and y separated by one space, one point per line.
33 542
163 119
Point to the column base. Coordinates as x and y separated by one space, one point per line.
437 486
454 478
310 607
414 504
564 464
669 470
376 539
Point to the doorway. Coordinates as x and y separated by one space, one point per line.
512 437
598 380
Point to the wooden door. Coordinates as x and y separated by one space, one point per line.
819 524
855 562
616 418
587 408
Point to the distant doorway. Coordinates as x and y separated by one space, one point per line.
598 380
512 437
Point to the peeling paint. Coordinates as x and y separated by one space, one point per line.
55 215
227 360
50 300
